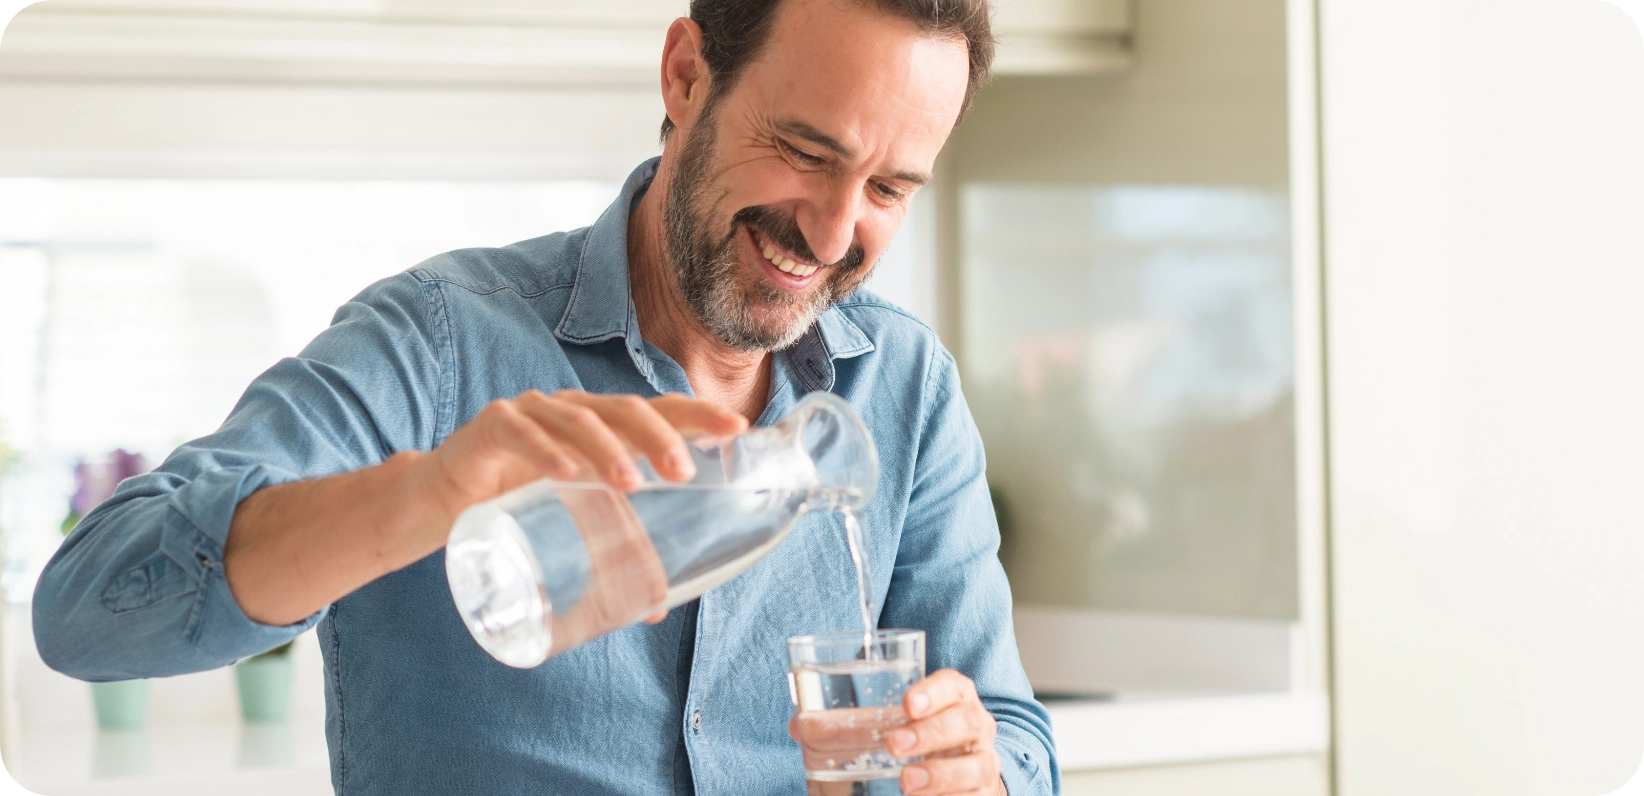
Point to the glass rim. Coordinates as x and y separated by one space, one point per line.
880 636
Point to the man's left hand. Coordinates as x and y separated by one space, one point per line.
949 727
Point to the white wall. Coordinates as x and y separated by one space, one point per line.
1484 196
198 129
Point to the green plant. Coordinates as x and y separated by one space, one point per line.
9 457
278 652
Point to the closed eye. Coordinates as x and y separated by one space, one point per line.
888 193
804 158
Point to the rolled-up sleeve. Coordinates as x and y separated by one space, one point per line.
137 590
948 580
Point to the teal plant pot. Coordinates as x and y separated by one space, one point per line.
121 705
265 687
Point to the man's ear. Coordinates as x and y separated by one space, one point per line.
685 78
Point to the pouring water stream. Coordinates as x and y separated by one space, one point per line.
864 580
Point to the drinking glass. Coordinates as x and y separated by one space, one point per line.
847 691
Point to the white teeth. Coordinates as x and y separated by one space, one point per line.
786 265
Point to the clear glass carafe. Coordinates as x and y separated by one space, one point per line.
552 564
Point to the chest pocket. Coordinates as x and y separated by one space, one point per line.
155 579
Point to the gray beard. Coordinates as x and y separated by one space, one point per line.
707 269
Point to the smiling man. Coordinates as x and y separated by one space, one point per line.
719 288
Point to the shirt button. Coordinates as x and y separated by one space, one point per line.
696 721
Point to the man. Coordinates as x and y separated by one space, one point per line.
797 131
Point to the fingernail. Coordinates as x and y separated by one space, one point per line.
915 777
902 739
628 473
917 704
563 466
682 463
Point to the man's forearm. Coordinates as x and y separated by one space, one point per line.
296 548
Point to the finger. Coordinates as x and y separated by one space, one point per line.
695 417
506 427
957 726
584 431
936 692
968 773
644 429
793 728
656 618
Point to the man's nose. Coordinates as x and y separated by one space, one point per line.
829 226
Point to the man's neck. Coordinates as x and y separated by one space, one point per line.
737 380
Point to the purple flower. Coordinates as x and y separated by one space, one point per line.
127 464
94 481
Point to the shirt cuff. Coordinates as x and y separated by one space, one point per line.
196 531
1023 775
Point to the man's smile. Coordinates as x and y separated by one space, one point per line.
782 266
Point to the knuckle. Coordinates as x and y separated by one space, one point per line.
986 726
517 421
502 418
569 394
582 415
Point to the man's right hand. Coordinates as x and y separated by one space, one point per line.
295 548
571 435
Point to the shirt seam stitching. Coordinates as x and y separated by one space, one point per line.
934 389
445 357
431 278
576 291
202 585
342 715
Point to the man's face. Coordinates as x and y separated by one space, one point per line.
790 186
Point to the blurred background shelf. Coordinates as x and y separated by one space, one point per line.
194 742
445 42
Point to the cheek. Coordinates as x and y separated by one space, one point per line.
755 179
875 232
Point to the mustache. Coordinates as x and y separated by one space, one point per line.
784 231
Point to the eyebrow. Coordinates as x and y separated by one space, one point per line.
800 129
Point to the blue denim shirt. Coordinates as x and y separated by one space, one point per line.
698 703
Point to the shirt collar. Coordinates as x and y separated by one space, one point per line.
601 306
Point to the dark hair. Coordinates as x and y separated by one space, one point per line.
734 31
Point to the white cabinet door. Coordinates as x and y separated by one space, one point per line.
1484 202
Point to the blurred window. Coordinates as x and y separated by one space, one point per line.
1127 352
136 311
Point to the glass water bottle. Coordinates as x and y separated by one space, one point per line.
552 564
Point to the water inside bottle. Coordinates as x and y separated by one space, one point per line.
589 564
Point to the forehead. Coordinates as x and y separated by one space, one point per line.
872 80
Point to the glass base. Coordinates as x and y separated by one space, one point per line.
885 783
854 776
